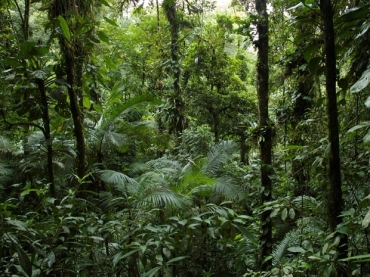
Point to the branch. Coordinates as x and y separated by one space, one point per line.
21 123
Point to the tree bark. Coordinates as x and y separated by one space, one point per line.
76 116
178 122
47 134
265 141
335 199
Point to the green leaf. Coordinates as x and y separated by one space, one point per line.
152 272
176 259
24 260
362 83
296 249
291 213
51 259
109 62
284 214
314 64
103 37
64 26
361 125
302 36
311 50
105 3
110 21
357 259
366 220
246 233
86 101
119 256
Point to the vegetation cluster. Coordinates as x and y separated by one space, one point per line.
168 139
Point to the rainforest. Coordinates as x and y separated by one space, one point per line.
184 138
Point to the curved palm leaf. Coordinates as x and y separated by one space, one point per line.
162 197
4 144
218 155
281 249
226 187
121 181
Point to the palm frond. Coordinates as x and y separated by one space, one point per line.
4 144
227 188
218 155
164 163
115 138
4 170
202 190
306 203
191 177
121 181
115 109
281 249
161 197
151 178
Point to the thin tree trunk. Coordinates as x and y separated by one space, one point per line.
178 123
76 116
335 199
26 19
265 141
47 134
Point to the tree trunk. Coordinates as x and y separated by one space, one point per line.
76 116
178 119
47 135
265 127
335 199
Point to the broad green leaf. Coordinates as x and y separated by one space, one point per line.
109 62
367 103
274 212
296 249
361 125
152 272
291 213
176 259
314 64
105 3
119 256
98 108
357 259
246 233
366 220
102 36
362 83
51 259
110 21
311 50
325 248
64 26
284 214
302 36
86 101
24 260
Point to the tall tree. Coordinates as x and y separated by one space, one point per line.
178 121
335 199
76 14
265 141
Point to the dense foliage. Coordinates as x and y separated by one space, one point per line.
135 138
